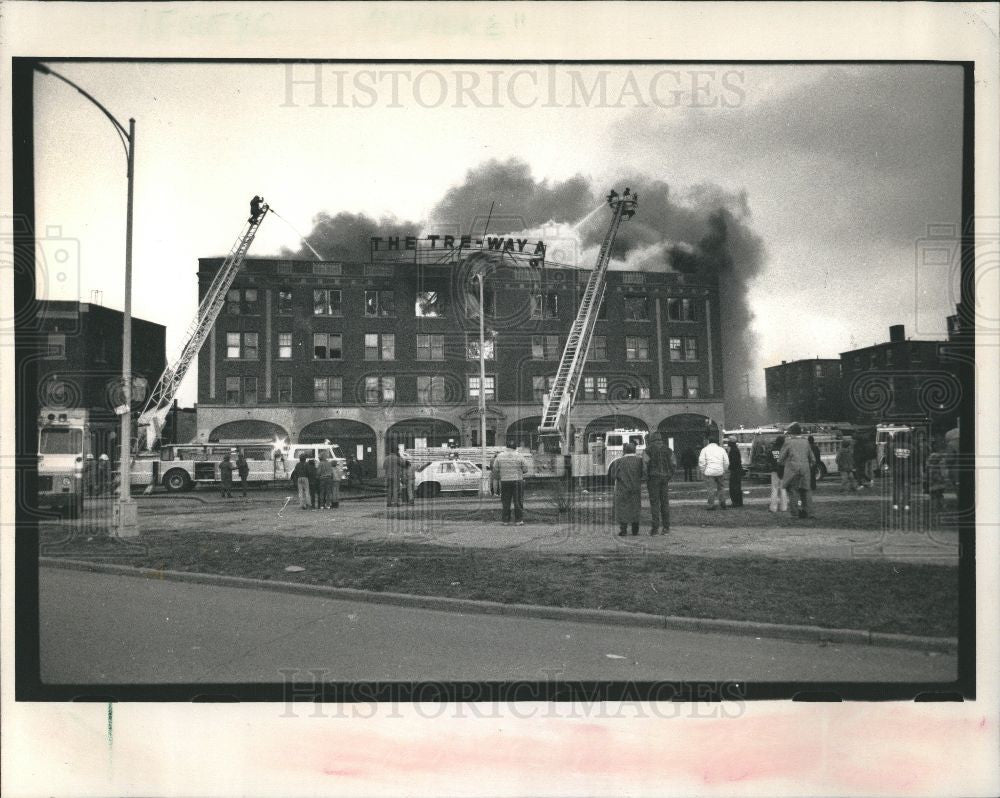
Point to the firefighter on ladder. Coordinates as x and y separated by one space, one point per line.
257 209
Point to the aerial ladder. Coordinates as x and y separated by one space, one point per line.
154 414
559 401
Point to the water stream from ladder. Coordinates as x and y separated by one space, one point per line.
299 234
588 217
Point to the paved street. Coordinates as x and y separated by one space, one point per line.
99 628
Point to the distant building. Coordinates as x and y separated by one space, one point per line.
805 390
81 363
903 380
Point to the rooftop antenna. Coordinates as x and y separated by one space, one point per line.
490 216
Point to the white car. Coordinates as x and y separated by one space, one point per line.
444 476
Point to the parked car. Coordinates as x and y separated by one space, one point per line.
447 476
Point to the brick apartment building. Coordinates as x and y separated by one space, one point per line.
805 390
80 362
904 381
372 355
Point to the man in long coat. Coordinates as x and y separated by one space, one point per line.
626 476
797 458
660 466
393 478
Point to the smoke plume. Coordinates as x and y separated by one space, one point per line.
704 231
347 236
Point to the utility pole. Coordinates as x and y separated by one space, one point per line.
126 521
484 486
126 511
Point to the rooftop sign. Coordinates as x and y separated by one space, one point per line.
452 249
493 243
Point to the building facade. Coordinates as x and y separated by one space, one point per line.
805 390
80 363
903 381
375 355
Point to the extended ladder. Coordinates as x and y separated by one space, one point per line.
574 356
162 396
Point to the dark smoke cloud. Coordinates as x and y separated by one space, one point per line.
520 201
704 231
732 253
347 236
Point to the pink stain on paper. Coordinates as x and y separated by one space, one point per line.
847 747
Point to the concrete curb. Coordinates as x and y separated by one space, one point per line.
817 634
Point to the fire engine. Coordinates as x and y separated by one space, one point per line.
63 444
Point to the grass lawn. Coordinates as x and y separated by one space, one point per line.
881 596
540 509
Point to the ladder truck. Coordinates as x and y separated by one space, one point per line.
555 428
155 411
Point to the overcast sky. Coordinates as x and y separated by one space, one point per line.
842 169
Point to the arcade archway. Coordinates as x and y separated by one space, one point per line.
604 424
525 432
247 430
421 432
355 438
688 432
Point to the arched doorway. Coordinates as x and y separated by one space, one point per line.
604 424
688 432
416 433
525 432
247 430
353 437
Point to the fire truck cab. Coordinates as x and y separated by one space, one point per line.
63 443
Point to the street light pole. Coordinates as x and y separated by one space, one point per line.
483 485
127 515
126 521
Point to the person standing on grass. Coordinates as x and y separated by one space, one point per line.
103 474
871 461
90 475
626 475
313 482
689 461
779 496
226 476
339 472
713 462
325 476
393 474
409 482
243 469
300 479
814 472
900 461
860 459
735 474
797 458
845 465
937 481
660 466
509 469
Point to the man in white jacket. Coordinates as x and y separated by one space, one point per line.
714 464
